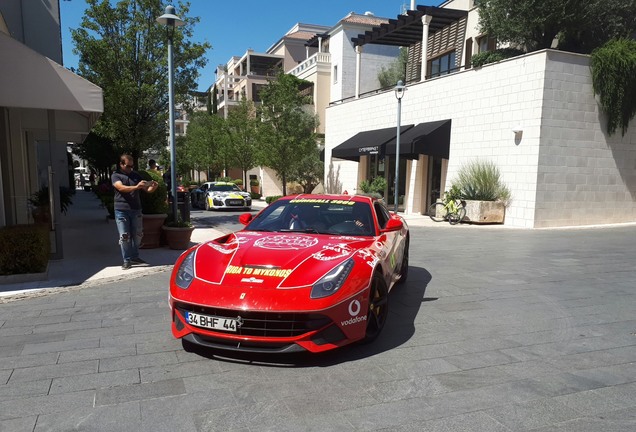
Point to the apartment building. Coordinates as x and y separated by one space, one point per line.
322 55
535 116
43 106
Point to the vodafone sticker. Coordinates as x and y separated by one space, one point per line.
354 308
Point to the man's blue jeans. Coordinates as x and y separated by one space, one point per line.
130 227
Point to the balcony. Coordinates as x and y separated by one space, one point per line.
308 66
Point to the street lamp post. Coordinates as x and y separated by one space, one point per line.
170 20
400 88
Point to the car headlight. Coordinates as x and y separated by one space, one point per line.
185 272
332 281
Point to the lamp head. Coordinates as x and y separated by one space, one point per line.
170 19
399 89
517 129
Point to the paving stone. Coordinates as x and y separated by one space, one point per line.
24 389
123 417
53 371
532 414
66 345
36 405
94 381
119 394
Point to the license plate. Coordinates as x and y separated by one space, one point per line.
211 322
235 202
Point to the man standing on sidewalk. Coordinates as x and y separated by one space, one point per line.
127 184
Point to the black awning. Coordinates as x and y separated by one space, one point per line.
430 138
366 143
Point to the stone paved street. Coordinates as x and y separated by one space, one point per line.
496 330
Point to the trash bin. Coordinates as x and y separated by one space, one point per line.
183 205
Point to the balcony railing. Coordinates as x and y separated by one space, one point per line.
320 57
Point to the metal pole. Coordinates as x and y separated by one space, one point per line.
397 153
173 152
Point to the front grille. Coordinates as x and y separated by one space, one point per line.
264 324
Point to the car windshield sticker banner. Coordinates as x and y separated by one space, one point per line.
286 242
321 201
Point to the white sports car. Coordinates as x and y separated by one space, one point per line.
221 195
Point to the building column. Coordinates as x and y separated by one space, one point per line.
358 62
426 20
413 190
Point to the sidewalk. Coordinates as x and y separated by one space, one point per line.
91 250
92 254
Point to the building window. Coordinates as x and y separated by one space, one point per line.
486 43
335 74
442 65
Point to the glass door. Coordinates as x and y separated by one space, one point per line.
391 184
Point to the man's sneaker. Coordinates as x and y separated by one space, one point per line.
126 265
138 261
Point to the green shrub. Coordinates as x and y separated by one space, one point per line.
613 70
25 249
155 202
271 199
41 198
238 182
254 182
377 185
486 57
255 196
481 180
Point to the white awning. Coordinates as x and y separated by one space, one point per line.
31 80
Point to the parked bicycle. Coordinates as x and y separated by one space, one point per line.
453 211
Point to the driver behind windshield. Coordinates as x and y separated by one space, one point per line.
306 217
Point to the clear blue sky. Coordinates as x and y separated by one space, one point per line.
231 27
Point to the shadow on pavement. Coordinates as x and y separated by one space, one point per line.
405 302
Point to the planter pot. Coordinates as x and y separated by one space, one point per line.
42 215
178 237
152 230
484 212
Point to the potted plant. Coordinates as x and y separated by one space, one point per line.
374 188
486 196
154 207
178 234
40 206
254 186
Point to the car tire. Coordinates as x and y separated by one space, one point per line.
378 308
404 266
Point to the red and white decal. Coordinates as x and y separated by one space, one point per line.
332 252
286 242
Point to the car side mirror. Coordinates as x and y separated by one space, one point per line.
394 224
245 218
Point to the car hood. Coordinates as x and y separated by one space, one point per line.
276 260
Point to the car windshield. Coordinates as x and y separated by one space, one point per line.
319 216
224 188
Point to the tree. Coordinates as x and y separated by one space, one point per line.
241 128
396 71
101 153
205 140
122 49
287 129
309 171
576 25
